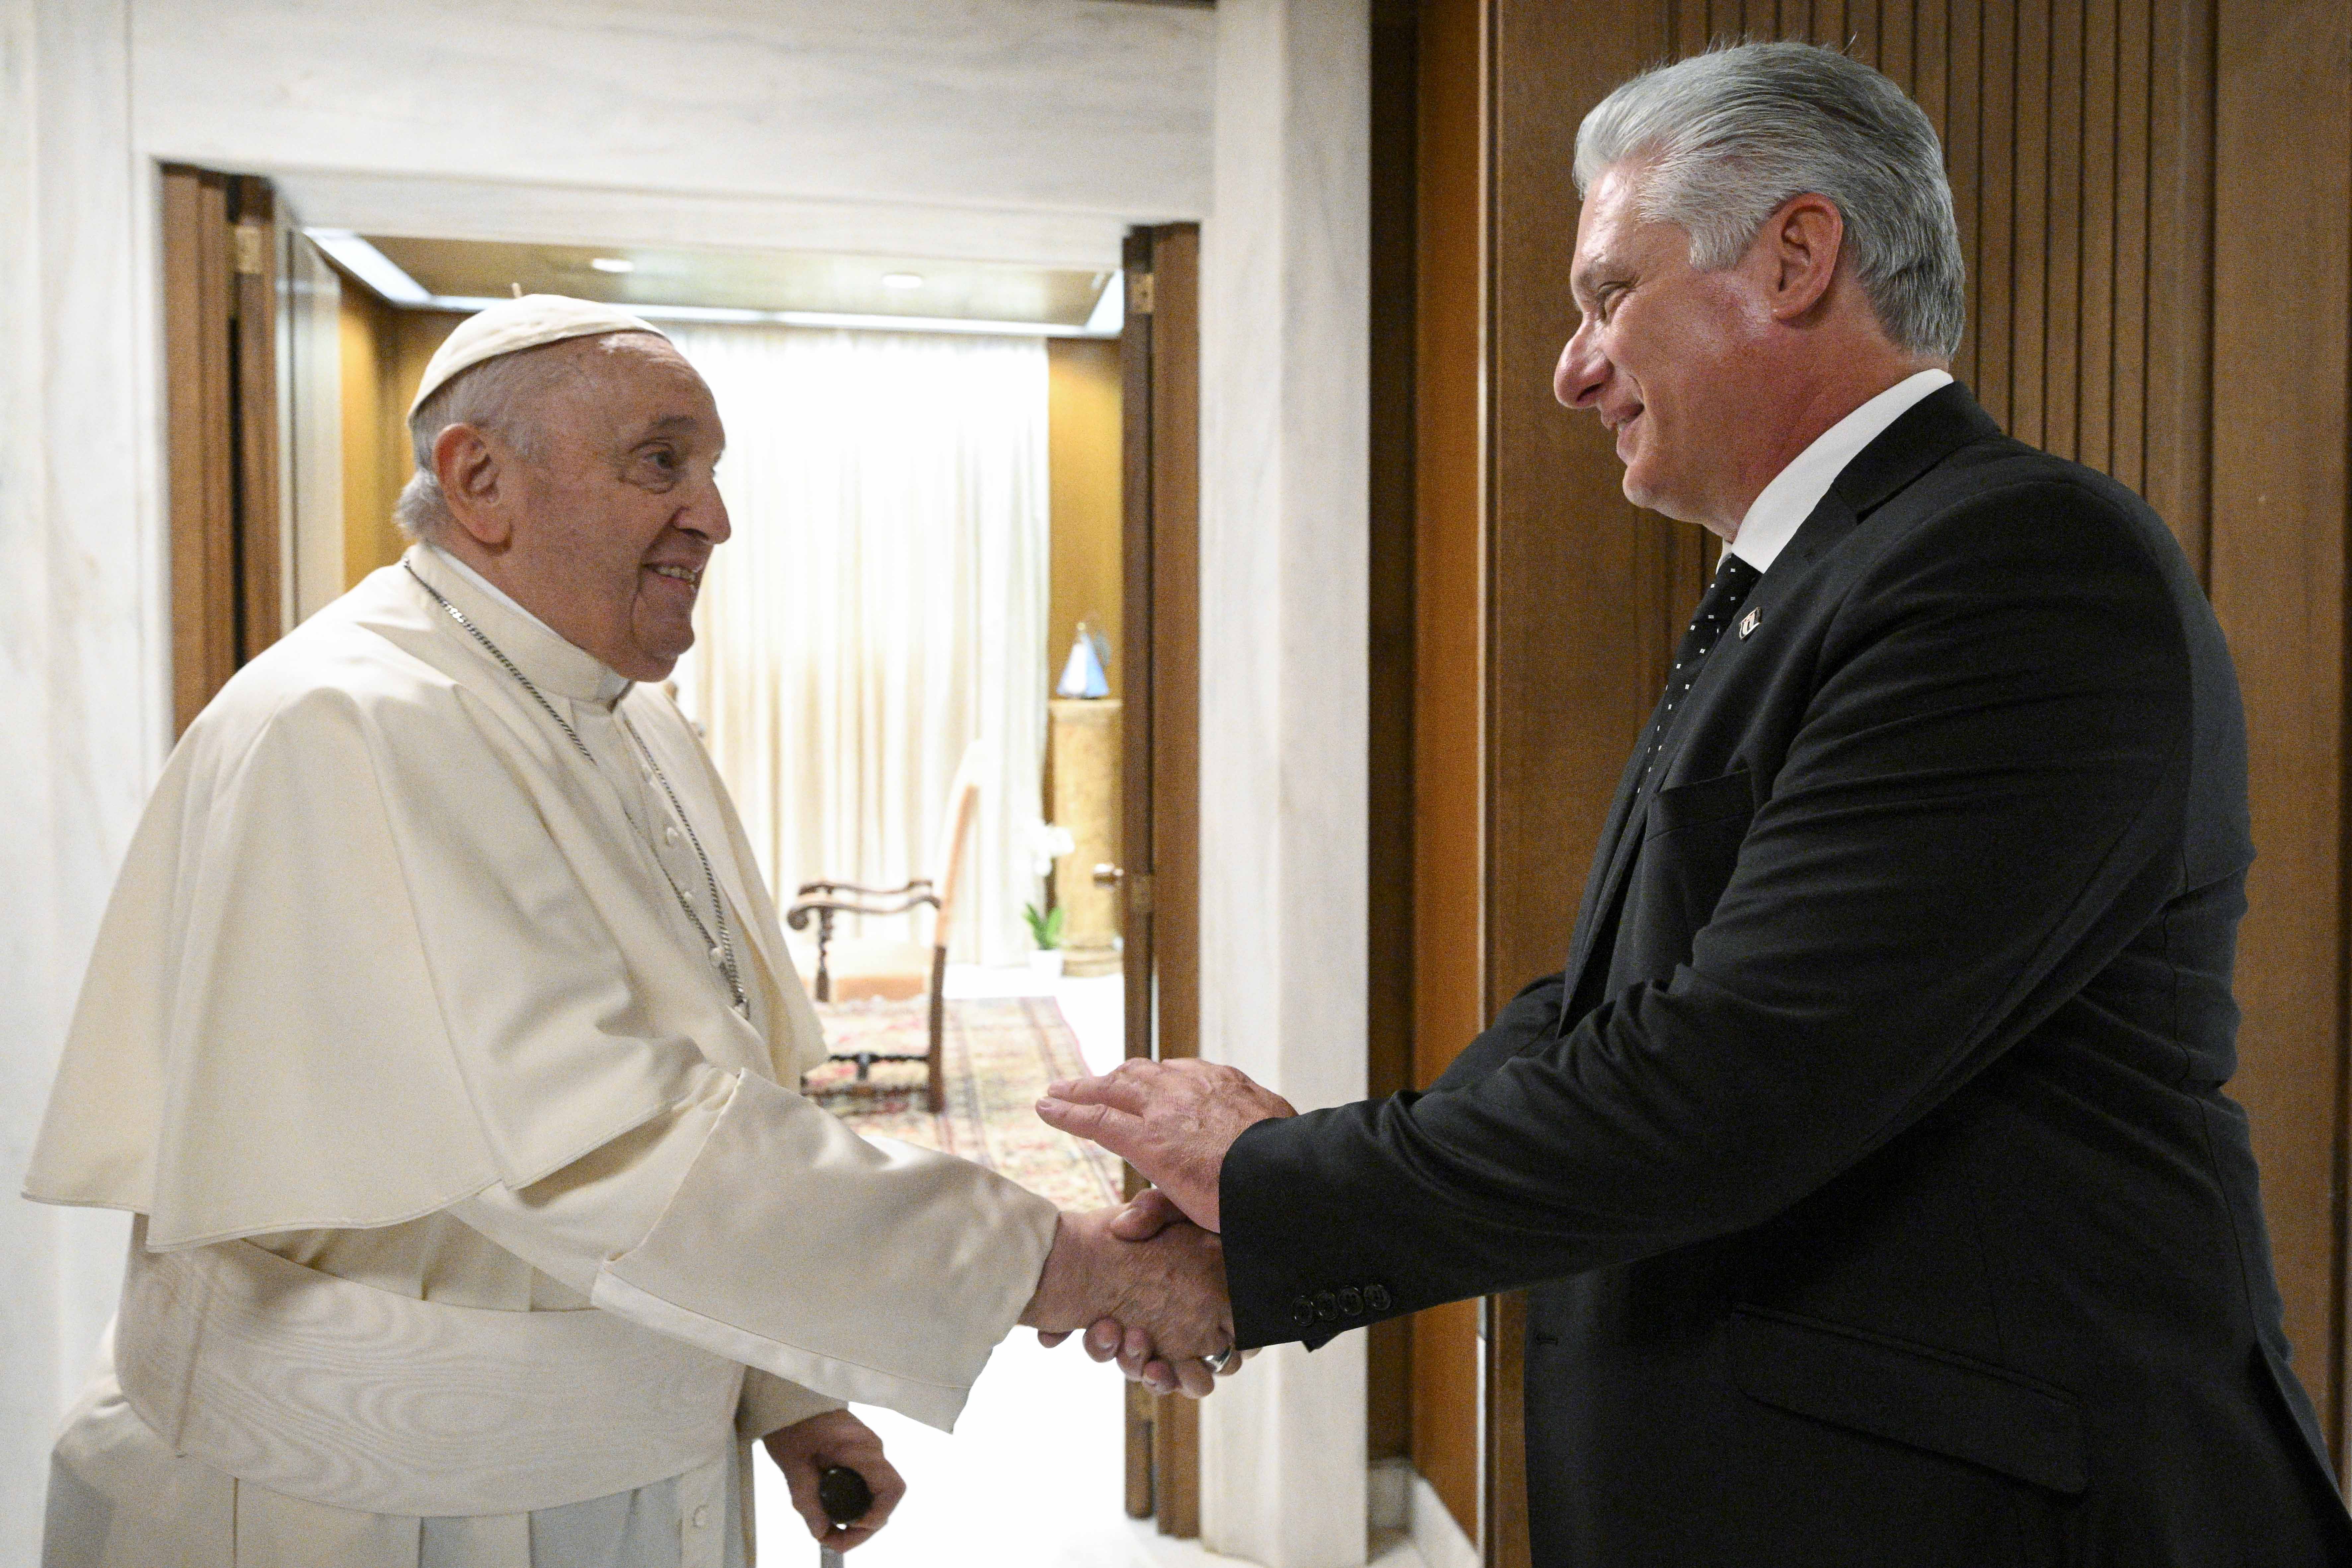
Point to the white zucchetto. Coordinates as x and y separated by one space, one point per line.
512 325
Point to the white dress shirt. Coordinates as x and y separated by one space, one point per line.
1784 504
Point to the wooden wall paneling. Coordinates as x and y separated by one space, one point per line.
1964 162
1931 55
1827 24
1896 37
1862 30
1174 889
2181 218
1389 849
1989 300
261 534
2127 454
1569 626
2029 261
197 285
1449 650
2282 350
1160 399
2063 225
2095 361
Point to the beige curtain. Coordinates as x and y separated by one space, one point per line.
881 606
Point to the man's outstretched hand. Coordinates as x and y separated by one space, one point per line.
1164 1283
1171 1120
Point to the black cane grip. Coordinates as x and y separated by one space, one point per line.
842 1493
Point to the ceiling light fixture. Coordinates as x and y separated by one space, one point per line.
611 264
902 279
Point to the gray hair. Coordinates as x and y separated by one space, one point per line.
495 395
1724 137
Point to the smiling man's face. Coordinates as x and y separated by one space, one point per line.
1664 355
618 517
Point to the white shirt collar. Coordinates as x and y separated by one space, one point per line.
1784 504
591 682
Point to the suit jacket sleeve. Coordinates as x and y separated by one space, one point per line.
1984 798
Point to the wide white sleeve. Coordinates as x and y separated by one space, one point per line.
750 1221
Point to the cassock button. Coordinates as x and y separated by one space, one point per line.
701 1515
718 958
1302 1311
1351 1301
670 835
1327 1306
1376 1297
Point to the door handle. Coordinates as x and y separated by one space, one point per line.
1110 876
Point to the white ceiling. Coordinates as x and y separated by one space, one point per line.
1027 130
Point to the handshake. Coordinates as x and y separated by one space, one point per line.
1147 1282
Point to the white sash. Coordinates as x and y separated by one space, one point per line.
356 1398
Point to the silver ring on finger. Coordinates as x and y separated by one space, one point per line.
1218 1361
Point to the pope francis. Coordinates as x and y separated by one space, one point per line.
442 1042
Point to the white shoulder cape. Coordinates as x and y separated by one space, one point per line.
382 941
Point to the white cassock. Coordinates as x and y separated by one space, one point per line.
477 1226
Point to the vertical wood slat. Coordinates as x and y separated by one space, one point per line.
1895 44
1829 23
1996 206
2029 261
1964 157
2128 459
259 540
2096 364
197 286
1931 51
2180 217
1176 750
2062 230
2282 346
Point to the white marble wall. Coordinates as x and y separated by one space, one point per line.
1283 693
1028 130
1023 129
82 695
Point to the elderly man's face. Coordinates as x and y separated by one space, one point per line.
618 519
1664 355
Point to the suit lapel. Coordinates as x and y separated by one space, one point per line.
1931 431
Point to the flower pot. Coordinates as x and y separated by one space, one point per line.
1047 961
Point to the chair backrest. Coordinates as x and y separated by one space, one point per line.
955 838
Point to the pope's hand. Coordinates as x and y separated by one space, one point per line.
1167 1287
807 1449
1171 1120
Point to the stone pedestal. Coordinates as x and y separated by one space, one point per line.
1085 734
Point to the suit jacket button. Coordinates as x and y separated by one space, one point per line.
1376 1297
1327 1306
1351 1301
1302 1311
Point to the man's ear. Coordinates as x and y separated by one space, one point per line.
474 483
1801 242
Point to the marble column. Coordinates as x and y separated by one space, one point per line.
1284 605
82 676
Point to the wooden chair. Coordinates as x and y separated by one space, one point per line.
852 969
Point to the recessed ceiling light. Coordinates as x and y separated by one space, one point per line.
611 264
902 279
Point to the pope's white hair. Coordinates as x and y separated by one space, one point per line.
1718 142
501 396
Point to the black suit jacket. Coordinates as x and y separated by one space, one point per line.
1869 1158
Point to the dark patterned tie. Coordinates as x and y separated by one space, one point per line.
1729 590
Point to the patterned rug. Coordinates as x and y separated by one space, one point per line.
1001 1053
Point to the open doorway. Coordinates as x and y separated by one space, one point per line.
930 587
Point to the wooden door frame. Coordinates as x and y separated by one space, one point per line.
220 254
1159 358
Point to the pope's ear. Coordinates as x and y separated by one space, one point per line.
473 482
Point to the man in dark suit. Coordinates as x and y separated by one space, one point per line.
1868 1159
